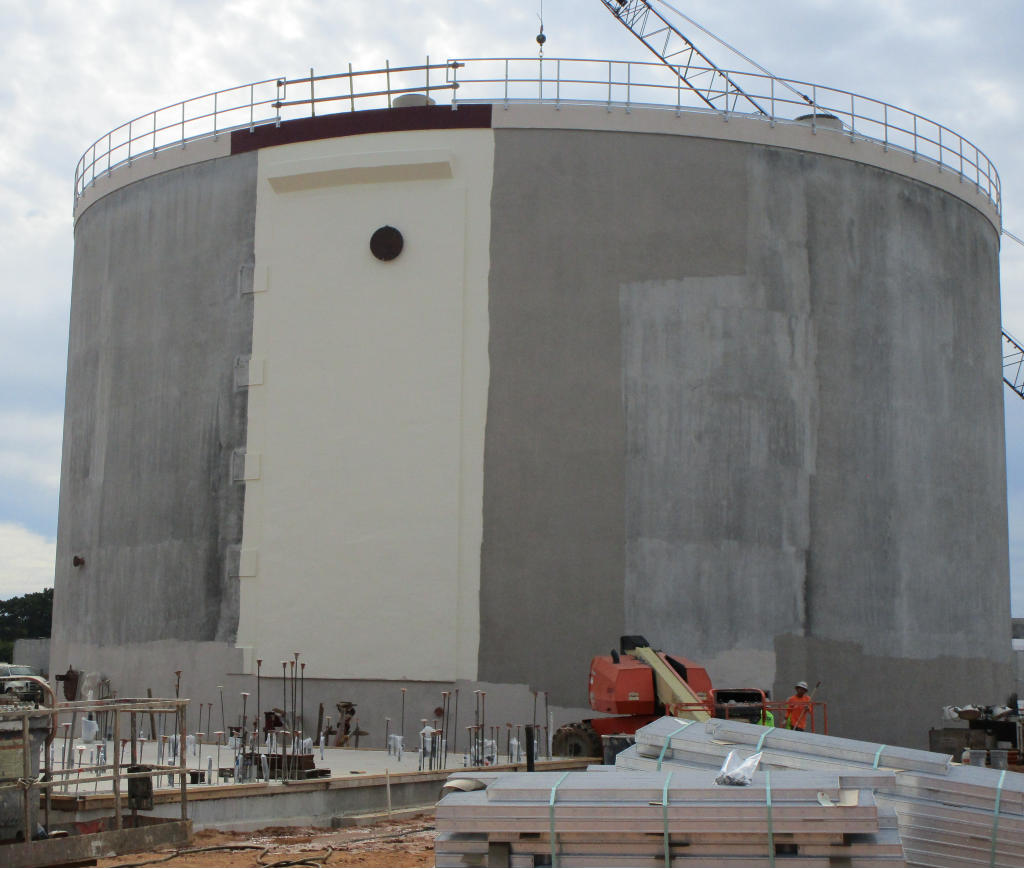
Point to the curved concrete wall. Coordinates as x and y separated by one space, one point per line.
741 397
744 401
153 415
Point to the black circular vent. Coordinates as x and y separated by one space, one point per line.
386 243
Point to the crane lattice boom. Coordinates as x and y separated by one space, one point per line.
713 85
1013 364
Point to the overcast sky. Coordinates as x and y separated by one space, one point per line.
73 69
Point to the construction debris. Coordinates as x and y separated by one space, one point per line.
948 814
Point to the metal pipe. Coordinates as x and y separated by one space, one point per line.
547 727
245 724
259 706
284 716
134 759
455 724
177 696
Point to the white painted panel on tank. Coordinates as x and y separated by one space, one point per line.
359 423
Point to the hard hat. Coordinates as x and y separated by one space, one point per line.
802 685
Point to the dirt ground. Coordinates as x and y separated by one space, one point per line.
405 843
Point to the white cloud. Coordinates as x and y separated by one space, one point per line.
30 447
26 561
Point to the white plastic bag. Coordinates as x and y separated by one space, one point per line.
736 771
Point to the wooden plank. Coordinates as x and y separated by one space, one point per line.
97 846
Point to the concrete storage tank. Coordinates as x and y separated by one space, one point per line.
727 381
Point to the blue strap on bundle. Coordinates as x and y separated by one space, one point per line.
668 739
878 755
551 814
664 817
995 817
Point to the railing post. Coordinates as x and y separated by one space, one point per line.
352 88
609 85
773 103
428 81
915 138
629 85
814 110
853 120
183 125
129 144
940 149
117 770
558 85
886 108
387 66
961 159
26 754
679 93
455 85
215 134
154 135
540 82
109 140
182 762
506 83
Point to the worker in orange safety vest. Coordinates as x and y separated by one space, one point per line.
797 707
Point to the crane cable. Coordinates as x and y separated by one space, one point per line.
737 52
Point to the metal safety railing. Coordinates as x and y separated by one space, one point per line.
269 101
554 81
49 779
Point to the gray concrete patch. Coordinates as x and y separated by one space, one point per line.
809 447
572 219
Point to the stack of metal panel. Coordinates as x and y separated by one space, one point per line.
949 814
676 817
